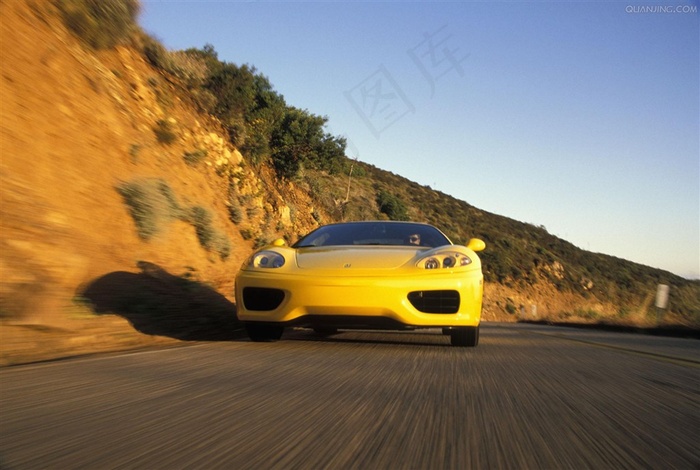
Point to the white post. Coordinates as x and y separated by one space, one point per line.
661 301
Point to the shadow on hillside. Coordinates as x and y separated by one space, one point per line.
157 303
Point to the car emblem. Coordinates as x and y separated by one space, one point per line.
347 265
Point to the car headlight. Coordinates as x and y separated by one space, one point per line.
431 263
445 260
267 259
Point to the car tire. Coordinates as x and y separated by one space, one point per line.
259 332
326 331
467 336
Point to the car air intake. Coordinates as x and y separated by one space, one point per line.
435 301
260 298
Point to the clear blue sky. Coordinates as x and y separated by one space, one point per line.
583 117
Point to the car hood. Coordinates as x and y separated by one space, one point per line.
350 257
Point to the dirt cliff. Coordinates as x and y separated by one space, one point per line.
76 126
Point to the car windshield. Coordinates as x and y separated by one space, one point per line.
375 233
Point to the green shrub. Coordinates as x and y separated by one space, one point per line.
208 236
195 156
260 242
237 130
201 219
235 213
181 64
175 210
392 206
587 313
101 24
253 212
165 132
155 52
247 233
204 100
151 204
298 141
684 300
223 247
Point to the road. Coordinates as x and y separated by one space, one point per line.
527 397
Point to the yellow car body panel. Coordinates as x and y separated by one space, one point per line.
354 286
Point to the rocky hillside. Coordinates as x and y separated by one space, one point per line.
125 208
82 132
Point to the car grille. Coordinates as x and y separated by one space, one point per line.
435 301
260 298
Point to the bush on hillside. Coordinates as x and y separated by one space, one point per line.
165 132
258 120
392 206
152 204
298 140
188 67
193 157
101 24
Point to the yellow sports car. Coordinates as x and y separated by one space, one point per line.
366 275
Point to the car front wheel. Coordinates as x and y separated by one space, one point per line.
263 332
467 336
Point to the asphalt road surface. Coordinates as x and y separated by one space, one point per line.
527 397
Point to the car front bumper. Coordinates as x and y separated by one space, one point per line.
361 301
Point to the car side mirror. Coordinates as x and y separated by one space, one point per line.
476 244
279 242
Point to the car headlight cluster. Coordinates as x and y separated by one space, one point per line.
445 260
266 259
